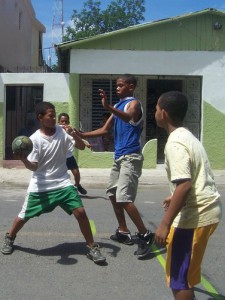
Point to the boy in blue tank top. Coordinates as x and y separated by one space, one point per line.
127 119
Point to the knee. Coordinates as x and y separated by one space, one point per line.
79 213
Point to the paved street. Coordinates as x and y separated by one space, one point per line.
49 260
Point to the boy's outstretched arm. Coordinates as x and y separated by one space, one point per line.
176 203
79 143
98 132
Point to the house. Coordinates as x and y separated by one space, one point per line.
185 53
21 52
21 37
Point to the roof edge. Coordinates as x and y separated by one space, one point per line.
69 44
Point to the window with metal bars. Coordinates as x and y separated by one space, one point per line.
109 86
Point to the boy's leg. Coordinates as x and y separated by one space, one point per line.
84 225
184 294
119 213
133 213
17 225
185 251
122 233
129 172
7 247
73 167
76 175
93 248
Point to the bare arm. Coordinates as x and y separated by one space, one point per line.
177 201
100 131
32 166
79 143
133 112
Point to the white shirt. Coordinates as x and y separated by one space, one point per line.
50 152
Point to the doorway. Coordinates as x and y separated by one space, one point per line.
20 106
191 86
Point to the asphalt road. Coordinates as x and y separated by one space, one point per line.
49 261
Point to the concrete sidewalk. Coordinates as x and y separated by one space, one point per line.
97 177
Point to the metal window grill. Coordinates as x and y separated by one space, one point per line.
109 86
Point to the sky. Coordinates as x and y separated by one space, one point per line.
46 10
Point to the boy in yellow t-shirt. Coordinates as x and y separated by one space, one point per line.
193 210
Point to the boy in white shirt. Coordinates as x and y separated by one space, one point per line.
50 184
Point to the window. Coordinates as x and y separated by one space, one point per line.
109 86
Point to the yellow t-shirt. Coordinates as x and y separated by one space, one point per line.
185 158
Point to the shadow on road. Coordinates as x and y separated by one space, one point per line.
65 250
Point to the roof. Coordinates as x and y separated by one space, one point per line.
78 43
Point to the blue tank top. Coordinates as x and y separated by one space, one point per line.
126 135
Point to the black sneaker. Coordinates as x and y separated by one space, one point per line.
145 241
7 247
81 190
95 254
122 237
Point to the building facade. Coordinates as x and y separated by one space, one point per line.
21 37
185 53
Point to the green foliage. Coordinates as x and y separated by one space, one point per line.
92 20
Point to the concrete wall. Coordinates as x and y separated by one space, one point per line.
210 65
56 85
19 35
64 91
56 90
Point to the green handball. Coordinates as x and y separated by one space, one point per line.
22 145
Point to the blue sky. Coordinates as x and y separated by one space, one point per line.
155 10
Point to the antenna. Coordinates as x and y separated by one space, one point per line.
57 23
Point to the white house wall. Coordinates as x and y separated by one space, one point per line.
209 65
56 85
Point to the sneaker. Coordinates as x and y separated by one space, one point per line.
145 241
81 190
7 247
95 254
122 237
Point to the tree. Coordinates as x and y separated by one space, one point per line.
92 20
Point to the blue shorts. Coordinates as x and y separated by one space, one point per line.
185 251
71 163
37 203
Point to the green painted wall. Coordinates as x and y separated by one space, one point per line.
150 154
89 159
1 132
71 107
61 107
214 135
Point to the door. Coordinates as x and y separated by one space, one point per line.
191 86
20 106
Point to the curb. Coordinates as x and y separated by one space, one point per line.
96 178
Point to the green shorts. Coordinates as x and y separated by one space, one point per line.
123 182
36 204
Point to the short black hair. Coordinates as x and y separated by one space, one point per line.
42 107
63 115
128 78
175 104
